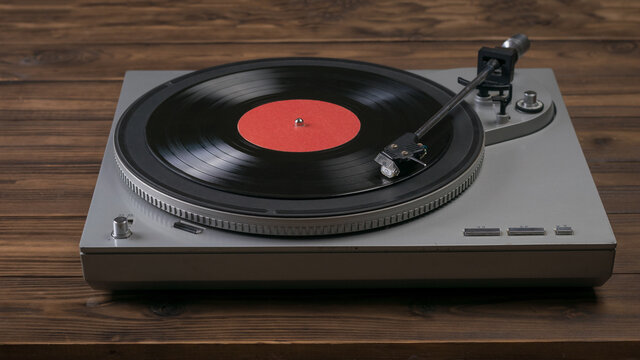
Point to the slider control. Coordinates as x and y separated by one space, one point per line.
190 228
525 230
481 231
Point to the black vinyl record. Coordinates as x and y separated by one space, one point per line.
182 139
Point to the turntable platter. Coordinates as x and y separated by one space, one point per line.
286 146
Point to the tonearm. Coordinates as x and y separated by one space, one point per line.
495 73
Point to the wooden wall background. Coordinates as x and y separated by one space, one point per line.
61 66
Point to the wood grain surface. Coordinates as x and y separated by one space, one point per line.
61 67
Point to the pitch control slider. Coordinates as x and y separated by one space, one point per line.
495 69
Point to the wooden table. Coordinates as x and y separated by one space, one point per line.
61 66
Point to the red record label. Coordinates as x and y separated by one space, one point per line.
298 125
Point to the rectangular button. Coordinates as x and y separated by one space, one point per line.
525 230
564 230
481 232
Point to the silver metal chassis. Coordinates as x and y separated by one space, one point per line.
538 179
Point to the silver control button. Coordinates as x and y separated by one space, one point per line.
481 231
525 230
530 103
530 98
120 228
563 230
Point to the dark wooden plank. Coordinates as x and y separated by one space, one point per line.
615 173
620 200
626 228
44 246
608 142
567 350
66 311
337 21
57 100
583 61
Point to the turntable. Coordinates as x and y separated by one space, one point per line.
312 172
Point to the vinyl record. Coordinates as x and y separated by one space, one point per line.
282 146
